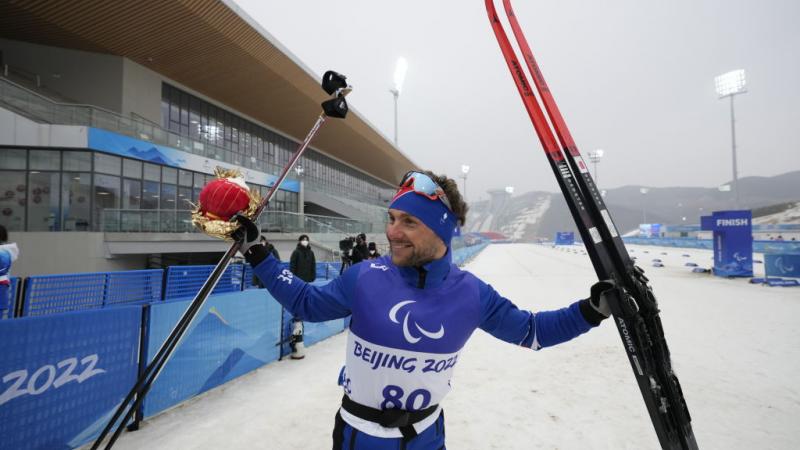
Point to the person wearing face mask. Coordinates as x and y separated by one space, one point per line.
303 263
412 312
373 251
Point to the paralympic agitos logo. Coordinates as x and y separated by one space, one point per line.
406 329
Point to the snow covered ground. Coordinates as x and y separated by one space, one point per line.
735 347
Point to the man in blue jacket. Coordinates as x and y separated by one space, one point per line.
412 312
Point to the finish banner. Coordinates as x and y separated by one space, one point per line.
733 242
64 374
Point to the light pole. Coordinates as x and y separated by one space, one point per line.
729 85
464 172
644 192
594 157
399 76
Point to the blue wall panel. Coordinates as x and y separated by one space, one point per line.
63 374
231 335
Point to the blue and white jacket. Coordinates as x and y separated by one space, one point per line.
408 327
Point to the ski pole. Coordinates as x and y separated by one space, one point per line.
335 85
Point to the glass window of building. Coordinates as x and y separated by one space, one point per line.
152 172
43 213
199 182
169 175
45 160
150 194
77 161
106 202
131 193
108 164
169 193
184 178
131 218
76 199
13 159
12 198
132 168
184 198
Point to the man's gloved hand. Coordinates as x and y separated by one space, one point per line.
595 308
248 234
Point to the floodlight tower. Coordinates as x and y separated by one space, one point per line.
399 77
729 85
594 157
464 172
644 192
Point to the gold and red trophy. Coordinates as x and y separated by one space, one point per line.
220 199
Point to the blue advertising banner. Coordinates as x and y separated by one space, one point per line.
782 265
63 375
231 335
565 238
118 144
733 242
649 229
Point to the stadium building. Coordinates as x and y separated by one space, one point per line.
114 115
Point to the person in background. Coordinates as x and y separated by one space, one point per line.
373 251
303 264
8 254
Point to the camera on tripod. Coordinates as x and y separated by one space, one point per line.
346 245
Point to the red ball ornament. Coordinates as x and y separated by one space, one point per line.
222 198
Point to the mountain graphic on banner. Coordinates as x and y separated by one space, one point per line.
152 154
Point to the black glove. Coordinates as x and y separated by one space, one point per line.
595 308
249 236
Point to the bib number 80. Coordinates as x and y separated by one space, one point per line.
393 399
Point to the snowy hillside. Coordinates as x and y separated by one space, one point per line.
516 217
790 215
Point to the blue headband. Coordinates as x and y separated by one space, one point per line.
433 213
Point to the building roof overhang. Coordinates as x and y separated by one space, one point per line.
215 49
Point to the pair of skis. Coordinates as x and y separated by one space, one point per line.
633 305
334 85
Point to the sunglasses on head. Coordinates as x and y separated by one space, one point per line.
424 185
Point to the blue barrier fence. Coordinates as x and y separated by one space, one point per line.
785 247
8 304
462 255
186 281
48 294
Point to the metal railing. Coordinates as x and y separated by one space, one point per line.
43 109
180 221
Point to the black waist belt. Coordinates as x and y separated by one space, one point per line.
389 418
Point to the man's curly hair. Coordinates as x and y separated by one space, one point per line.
450 188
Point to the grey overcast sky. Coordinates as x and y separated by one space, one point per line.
633 77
